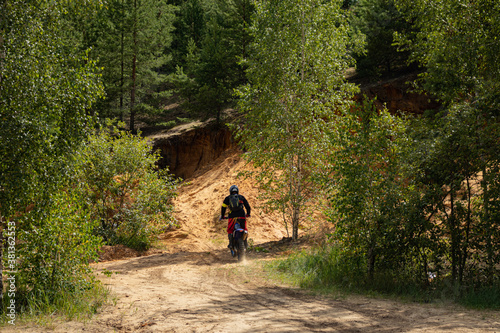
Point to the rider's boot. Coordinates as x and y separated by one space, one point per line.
230 246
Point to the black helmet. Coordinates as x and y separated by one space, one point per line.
233 189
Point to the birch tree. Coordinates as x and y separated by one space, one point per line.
296 87
47 87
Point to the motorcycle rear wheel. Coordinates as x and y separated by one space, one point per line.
241 249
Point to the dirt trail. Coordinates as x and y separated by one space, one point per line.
195 286
209 292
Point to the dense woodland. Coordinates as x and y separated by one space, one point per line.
414 199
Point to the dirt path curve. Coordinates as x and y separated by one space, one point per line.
210 292
196 286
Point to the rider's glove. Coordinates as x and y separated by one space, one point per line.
248 215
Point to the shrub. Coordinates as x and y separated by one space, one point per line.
126 194
54 248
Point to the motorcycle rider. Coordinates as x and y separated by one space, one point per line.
237 204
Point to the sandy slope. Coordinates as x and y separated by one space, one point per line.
195 286
198 208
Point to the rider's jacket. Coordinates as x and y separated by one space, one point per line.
235 214
238 213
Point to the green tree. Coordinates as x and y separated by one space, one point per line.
189 28
216 71
458 44
125 193
58 242
375 195
112 48
459 174
224 45
296 75
241 21
47 87
212 67
132 47
379 20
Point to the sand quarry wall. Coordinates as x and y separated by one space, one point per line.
188 148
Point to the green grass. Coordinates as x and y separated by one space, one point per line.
167 124
482 298
43 309
329 270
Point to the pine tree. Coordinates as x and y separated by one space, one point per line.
212 66
133 52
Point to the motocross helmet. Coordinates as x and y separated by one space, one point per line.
233 189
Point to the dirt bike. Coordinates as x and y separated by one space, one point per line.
239 243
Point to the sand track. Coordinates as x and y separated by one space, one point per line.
196 286
210 292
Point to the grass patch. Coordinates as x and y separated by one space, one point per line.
43 309
482 298
329 270
167 124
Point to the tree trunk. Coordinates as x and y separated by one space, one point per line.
490 264
122 70
454 238
295 222
465 245
371 262
134 73
297 200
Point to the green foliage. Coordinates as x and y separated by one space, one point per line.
378 20
216 71
217 42
41 309
329 267
458 156
411 196
57 245
131 44
47 86
296 74
457 41
189 30
482 298
334 269
131 200
373 192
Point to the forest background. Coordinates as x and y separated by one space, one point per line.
414 198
